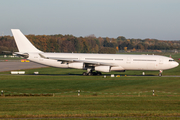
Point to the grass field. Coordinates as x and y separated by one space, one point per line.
122 98
9 58
56 84
108 98
86 106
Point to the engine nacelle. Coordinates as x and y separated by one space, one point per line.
118 69
77 65
103 68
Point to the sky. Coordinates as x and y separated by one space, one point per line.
138 19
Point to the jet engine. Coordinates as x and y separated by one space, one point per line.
118 69
103 68
77 65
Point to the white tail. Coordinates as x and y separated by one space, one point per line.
23 44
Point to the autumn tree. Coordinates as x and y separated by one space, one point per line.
107 50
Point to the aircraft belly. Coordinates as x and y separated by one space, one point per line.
54 63
49 62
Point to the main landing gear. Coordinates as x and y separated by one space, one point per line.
160 73
90 72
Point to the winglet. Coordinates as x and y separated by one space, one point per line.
23 44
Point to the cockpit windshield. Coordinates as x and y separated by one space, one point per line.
171 60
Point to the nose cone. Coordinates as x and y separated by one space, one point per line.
175 64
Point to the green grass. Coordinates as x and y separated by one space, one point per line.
58 84
9 58
90 107
98 97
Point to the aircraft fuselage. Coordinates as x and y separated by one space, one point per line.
124 61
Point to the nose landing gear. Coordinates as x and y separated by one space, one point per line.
160 73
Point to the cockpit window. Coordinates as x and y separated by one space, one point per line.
171 60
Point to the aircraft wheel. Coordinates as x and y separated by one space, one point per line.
84 73
99 73
94 73
160 74
90 74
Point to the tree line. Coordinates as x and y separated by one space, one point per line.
88 44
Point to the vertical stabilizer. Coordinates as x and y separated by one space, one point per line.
23 44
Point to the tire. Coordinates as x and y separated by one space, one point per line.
99 73
160 74
84 73
90 74
94 73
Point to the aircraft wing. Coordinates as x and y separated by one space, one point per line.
95 63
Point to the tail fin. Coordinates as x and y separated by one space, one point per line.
23 44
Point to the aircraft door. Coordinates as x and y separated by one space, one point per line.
128 60
160 61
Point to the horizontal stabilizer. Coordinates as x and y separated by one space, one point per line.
25 55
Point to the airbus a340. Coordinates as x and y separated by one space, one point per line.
92 62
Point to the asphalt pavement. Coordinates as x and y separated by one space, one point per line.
18 65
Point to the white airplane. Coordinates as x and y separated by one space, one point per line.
91 62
